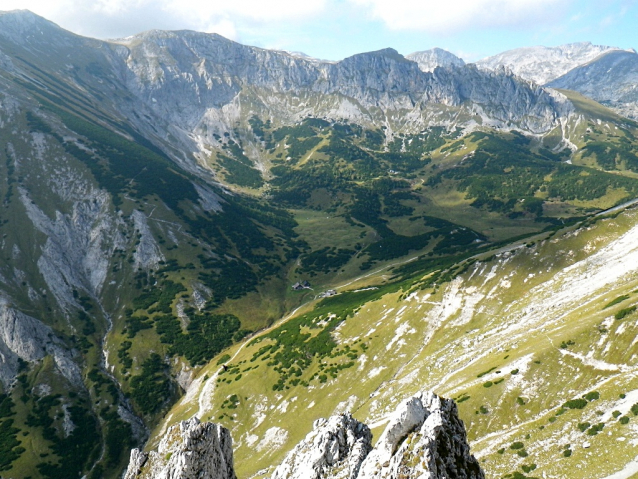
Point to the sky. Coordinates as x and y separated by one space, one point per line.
335 29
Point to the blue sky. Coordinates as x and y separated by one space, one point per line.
335 29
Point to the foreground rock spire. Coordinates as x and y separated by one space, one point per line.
424 439
335 448
190 449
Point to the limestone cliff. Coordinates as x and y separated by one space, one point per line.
182 88
23 338
190 449
335 448
426 439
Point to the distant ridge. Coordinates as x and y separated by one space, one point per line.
428 60
611 79
544 64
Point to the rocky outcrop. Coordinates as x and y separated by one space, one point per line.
23 338
79 243
424 439
189 450
335 448
428 60
610 79
147 253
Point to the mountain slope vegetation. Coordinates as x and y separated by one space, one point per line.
160 198
534 341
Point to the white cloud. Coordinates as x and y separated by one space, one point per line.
453 15
115 18
41 7
225 16
225 27
259 10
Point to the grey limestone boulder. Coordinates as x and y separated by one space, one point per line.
424 439
335 448
189 450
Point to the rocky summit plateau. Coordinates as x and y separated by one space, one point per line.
196 228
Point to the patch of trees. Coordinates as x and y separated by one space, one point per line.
10 449
206 335
123 166
293 350
151 388
612 156
239 173
325 260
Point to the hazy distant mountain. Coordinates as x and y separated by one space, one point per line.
305 56
428 60
544 64
611 79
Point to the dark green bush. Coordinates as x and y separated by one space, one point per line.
583 426
575 404
623 313
592 396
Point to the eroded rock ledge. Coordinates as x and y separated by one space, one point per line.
190 449
424 439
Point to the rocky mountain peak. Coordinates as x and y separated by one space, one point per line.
335 448
20 25
389 53
428 60
544 64
164 37
23 16
609 79
424 438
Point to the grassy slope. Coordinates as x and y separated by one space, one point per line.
260 416
507 316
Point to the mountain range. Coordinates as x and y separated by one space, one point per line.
195 227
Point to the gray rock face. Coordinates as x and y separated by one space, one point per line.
424 439
185 76
25 338
428 60
335 448
183 88
78 246
189 450
147 254
544 64
611 79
